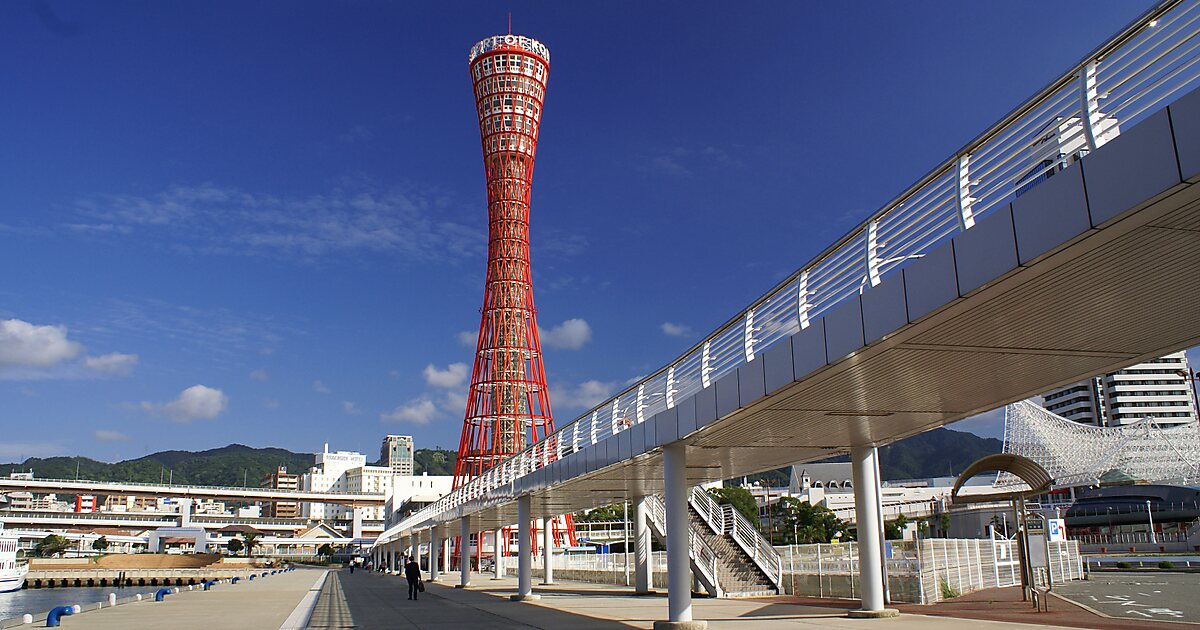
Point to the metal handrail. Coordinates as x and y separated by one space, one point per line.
703 557
1141 69
708 509
754 544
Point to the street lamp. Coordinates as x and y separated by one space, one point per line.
1153 540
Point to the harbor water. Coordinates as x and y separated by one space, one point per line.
35 600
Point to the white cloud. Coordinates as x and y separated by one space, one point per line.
112 364
569 335
675 330
321 388
270 403
585 395
108 435
197 402
260 375
394 374
351 408
23 344
455 375
419 411
469 338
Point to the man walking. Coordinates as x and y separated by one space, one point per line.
412 572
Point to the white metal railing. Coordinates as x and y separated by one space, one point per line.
725 519
708 509
754 544
1138 71
704 559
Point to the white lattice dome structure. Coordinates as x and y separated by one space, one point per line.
1079 455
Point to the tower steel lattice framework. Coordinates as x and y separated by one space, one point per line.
508 405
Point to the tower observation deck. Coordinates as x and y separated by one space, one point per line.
508 407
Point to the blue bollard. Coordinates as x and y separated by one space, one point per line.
252 576
162 592
234 580
263 574
209 584
55 613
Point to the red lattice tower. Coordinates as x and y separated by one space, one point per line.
508 406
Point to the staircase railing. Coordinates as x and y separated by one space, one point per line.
724 519
754 544
708 509
703 558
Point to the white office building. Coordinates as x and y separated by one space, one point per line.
1157 389
347 471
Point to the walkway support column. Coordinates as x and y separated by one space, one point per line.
498 554
866 513
679 586
547 550
464 553
435 551
524 550
643 577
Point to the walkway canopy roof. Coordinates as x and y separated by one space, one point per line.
1022 467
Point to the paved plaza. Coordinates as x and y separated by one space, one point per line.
1159 595
340 599
380 601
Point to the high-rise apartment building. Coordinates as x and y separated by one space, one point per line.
397 454
281 479
1157 389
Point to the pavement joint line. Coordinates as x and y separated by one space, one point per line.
1099 613
304 610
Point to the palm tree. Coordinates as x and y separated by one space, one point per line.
251 540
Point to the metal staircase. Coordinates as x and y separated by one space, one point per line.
728 555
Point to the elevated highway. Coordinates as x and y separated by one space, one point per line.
112 488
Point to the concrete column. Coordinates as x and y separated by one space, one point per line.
435 549
547 550
446 550
464 557
643 571
498 545
679 588
524 550
866 513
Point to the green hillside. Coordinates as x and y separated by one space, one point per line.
941 452
937 453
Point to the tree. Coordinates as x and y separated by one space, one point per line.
234 545
251 541
610 512
326 550
52 545
801 522
894 530
739 498
100 544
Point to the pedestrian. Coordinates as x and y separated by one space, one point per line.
351 566
412 572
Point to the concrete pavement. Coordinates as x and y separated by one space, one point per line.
261 604
380 601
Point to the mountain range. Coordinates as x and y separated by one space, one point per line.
935 453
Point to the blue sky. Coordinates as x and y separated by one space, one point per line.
264 222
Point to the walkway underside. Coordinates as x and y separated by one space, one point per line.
1118 292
